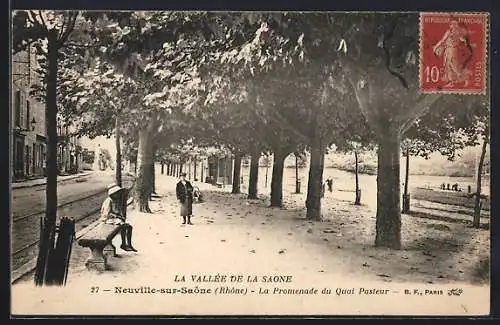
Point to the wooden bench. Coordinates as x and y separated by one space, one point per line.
99 240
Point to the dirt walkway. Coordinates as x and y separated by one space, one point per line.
236 236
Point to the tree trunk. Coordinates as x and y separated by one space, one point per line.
267 172
195 170
189 170
357 201
202 169
406 195
154 149
118 163
224 171
277 178
315 184
236 174
48 224
297 184
254 176
477 203
153 178
388 224
143 186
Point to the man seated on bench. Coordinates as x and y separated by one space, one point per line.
114 211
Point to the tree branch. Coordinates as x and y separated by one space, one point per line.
62 27
35 21
69 28
280 120
411 115
363 100
387 37
43 21
31 18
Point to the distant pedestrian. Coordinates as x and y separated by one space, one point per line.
184 193
329 182
114 211
197 195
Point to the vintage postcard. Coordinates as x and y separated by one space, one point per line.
178 163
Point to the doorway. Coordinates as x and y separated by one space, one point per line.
19 158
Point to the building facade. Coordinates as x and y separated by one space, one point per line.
27 120
69 150
29 146
219 170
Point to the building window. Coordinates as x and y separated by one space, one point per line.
28 113
17 108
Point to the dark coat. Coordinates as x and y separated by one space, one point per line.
184 192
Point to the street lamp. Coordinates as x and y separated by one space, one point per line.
33 123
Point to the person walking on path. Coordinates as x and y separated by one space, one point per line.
184 193
329 183
114 211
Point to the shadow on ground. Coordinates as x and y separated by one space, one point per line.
426 215
435 249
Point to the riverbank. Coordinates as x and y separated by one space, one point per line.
464 164
372 170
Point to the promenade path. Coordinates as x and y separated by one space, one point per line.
233 236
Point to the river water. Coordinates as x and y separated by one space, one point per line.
345 181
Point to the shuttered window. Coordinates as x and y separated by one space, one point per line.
17 108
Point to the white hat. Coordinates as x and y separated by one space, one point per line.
113 189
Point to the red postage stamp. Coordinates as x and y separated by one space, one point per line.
453 52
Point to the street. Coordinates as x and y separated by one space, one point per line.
32 199
79 198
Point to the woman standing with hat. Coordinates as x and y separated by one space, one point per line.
114 211
184 192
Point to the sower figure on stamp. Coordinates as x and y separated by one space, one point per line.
184 192
456 50
114 211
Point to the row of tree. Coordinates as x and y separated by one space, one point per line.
166 83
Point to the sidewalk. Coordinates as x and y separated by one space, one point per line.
43 181
235 236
